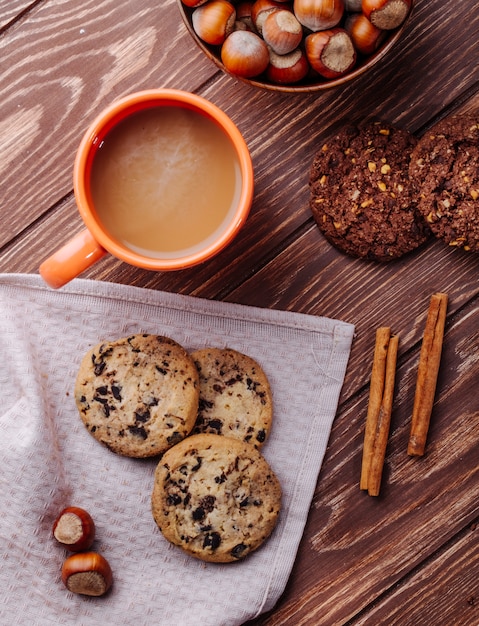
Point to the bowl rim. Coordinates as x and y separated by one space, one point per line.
301 87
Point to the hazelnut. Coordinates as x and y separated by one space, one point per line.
282 31
74 529
318 14
243 14
214 21
386 14
87 573
245 54
330 52
365 36
260 11
287 68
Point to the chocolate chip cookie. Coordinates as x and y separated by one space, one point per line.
138 395
361 196
215 497
235 396
445 164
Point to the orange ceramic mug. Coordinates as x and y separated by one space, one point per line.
163 180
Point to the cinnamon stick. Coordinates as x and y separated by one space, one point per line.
429 361
379 410
384 420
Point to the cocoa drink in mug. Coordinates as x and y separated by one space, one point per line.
163 180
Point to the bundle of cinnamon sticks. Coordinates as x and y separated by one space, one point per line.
382 392
380 405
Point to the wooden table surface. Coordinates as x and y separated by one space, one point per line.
410 556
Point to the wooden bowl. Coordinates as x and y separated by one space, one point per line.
313 82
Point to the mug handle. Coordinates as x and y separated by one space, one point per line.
77 255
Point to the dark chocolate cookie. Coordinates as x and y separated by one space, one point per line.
138 395
215 497
445 163
235 396
361 196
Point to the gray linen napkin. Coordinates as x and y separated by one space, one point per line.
49 460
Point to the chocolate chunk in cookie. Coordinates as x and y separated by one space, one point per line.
138 395
215 497
361 196
445 164
235 396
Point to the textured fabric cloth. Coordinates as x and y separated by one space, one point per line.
49 460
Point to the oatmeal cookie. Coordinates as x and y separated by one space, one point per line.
445 164
138 395
235 396
361 196
215 497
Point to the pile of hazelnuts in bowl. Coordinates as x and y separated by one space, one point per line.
295 45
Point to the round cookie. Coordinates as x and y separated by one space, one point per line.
235 396
445 164
138 395
215 497
360 194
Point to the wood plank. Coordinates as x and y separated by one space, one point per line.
370 302
42 126
10 10
300 278
61 68
310 276
436 589
312 259
363 546
362 560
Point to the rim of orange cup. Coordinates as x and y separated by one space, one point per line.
108 119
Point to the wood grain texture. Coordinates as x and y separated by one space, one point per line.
13 10
355 547
435 589
412 552
61 67
48 100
